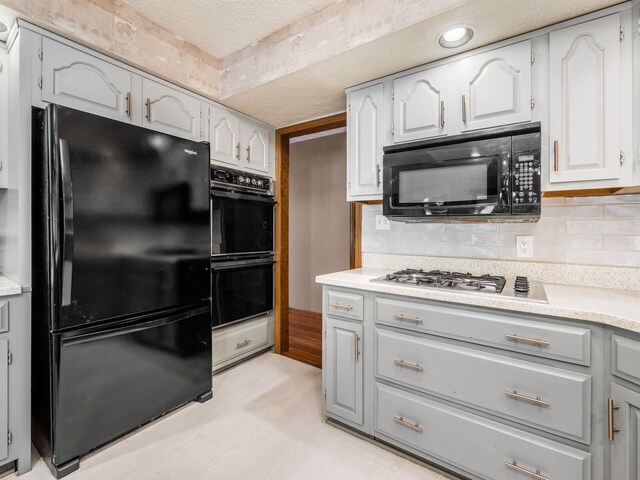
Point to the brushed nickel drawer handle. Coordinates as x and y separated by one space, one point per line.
340 305
514 466
612 429
402 316
412 366
413 426
536 401
357 346
244 343
531 341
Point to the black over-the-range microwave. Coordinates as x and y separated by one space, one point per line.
490 175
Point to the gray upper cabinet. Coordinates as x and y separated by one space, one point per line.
224 136
624 429
170 111
256 141
496 87
365 130
344 369
75 79
585 101
419 105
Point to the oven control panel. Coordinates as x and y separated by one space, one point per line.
228 177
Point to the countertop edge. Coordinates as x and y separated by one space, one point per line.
9 287
546 309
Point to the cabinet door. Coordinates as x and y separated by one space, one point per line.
625 448
170 111
256 145
4 397
364 135
4 119
75 79
496 87
224 136
584 101
344 369
419 105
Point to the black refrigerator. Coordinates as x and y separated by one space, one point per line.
121 311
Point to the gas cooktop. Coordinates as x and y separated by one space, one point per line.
519 288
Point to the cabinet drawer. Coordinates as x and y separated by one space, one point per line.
346 305
544 397
625 358
569 344
480 446
236 341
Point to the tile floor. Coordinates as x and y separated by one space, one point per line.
264 422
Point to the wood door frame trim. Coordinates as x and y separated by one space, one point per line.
283 135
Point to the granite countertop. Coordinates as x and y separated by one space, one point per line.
9 287
618 308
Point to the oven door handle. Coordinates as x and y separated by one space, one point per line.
230 265
242 196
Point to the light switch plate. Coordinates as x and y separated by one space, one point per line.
382 223
524 246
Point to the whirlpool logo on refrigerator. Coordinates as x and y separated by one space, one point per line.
190 152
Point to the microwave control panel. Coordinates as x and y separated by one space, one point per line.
526 175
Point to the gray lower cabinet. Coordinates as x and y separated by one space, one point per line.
624 427
343 369
482 447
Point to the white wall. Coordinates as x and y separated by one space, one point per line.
319 222
575 230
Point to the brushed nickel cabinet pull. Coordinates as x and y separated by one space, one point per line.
357 347
378 175
530 341
249 154
412 366
409 318
612 429
238 151
244 343
464 108
514 466
128 104
340 305
148 103
441 113
555 155
536 401
413 426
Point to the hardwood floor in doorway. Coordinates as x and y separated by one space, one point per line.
305 337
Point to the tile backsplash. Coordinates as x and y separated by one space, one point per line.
577 230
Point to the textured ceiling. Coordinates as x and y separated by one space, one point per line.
222 27
318 90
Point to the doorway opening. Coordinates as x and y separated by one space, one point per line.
317 231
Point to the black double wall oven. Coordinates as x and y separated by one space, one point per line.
242 256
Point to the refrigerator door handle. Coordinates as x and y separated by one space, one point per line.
67 222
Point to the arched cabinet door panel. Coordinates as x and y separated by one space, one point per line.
496 87
170 111
77 80
224 136
365 116
584 101
256 148
419 105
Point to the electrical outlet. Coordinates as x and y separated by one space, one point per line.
382 223
524 246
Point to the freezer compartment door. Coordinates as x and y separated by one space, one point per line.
112 381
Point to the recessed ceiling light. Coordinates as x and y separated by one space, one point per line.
455 37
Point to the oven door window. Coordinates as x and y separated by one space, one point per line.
241 223
241 290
